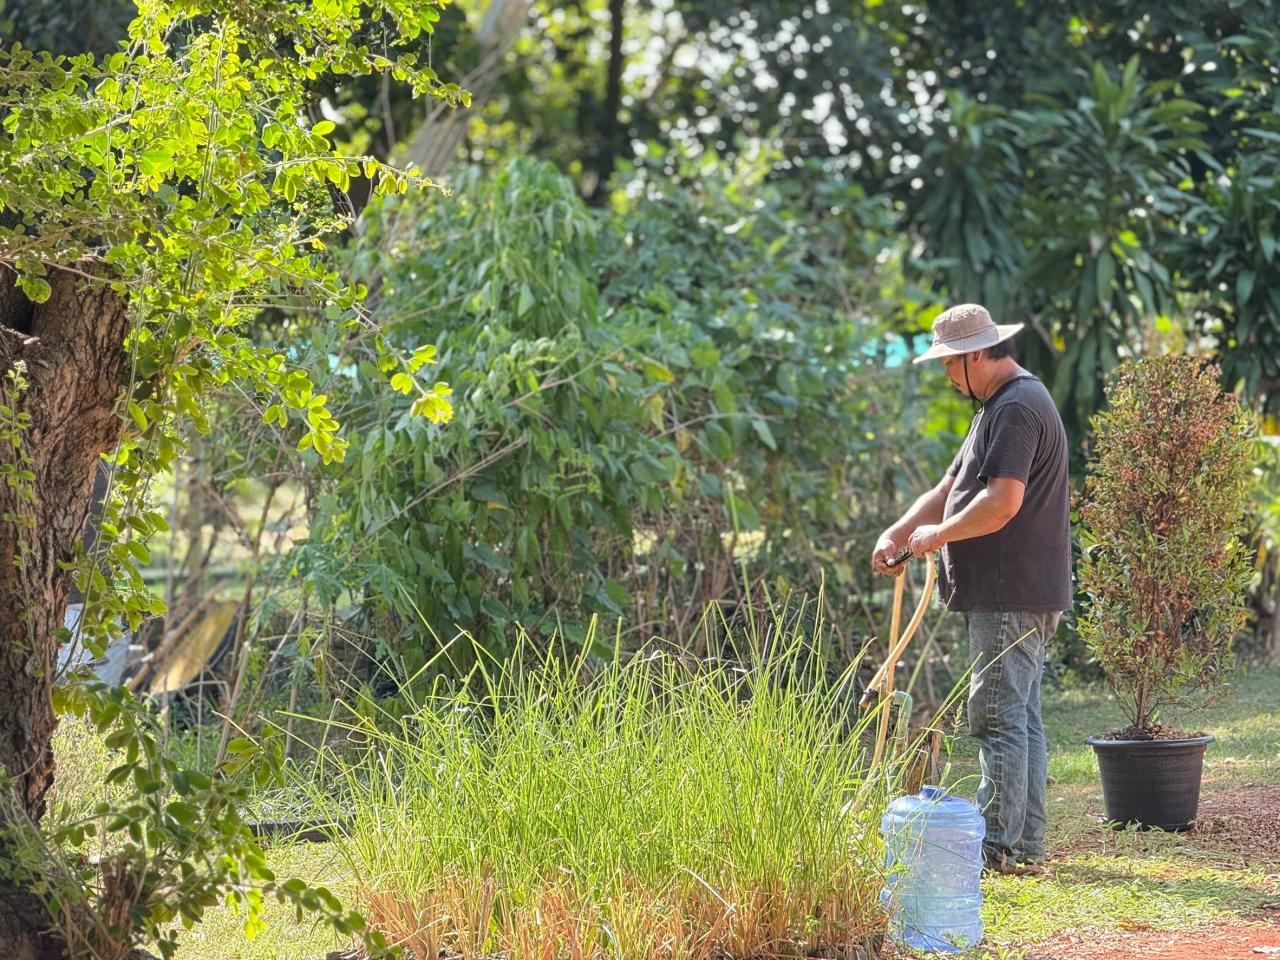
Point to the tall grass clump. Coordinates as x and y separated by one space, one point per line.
658 808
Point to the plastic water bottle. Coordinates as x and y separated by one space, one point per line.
933 855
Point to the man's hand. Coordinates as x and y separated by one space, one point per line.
926 539
886 550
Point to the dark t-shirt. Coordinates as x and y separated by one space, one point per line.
1026 565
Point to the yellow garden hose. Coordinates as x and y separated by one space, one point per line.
883 680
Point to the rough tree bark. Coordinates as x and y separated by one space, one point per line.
76 366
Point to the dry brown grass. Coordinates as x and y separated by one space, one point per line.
687 921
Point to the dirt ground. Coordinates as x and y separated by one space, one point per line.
1245 821
1241 824
1226 941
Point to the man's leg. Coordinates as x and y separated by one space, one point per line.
1030 846
1007 663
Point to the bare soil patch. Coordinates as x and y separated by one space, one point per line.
1244 821
1240 824
1223 941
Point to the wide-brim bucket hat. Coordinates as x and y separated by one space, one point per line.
965 328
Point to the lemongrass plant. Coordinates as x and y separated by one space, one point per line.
660 809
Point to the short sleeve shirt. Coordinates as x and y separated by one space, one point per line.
1025 565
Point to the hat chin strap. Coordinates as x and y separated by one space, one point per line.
977 404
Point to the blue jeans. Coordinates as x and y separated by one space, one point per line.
1008 650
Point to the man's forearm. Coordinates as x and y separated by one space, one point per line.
928 508
984 514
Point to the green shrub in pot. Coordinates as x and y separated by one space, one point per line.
1165 571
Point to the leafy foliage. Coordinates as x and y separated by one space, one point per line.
177 174
1265 537
1229 259
1164 568
15 461
650 396
1085 167
172 843
1055 209
1142 184
66 28
1091 167
188 174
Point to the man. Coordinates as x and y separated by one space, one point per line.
1001 518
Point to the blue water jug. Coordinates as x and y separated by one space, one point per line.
933 858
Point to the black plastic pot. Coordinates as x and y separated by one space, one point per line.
1155 783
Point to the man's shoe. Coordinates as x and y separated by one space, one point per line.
999 864
1003 865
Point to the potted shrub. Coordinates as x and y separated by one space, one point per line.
1165 573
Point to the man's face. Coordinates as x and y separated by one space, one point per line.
956 373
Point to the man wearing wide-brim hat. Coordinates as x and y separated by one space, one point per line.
1001 518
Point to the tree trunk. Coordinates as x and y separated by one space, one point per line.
20 927
613 131
76 364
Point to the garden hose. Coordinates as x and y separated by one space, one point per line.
883 680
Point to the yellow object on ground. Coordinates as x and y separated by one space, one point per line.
191 652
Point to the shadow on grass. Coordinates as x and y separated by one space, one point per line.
1217 890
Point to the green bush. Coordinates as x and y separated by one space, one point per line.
138 847
1164 567
1264 536
658 405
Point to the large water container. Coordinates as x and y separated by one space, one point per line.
933 855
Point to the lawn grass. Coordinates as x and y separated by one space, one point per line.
1246 722
221 935
83 761
1139 885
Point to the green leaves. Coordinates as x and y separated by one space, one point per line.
421 357
1244 288
1106 274
37 289
176 831
180 172
1169 482
1227 247
1098 169
433 402
155 163
656 371
671 388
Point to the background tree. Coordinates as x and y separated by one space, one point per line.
67 29
956 112
1076 171
154 199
